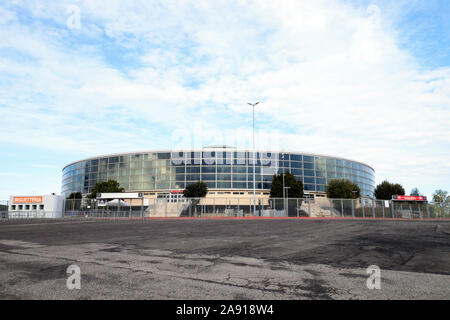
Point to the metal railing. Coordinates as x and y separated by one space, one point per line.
265 207
31 215
239 207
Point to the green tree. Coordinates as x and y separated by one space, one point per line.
104 187
196 190
440 206
295 186
75 195
342 189
441 196
415 192
385 190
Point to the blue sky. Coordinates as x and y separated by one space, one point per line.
367 80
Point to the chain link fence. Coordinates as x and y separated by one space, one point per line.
239 207
265 207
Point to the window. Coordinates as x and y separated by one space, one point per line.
268 170
307 165
136 165
223 185
179 170
34 207
296 165
258 185
114 160
320 181
180 177
308 180
192 169
320 188
209 177
224 169
239 177
239 154
13 207
320 195
193 177
283 164
211 184
239 170
309 173
223 176
239 161
125 158
320 173
41 207
257 169
211 169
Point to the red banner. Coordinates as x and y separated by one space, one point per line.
409 198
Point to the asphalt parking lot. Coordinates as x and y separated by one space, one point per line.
225 259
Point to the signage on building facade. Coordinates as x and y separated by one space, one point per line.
27 199
409 198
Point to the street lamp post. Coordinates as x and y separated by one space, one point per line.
254 159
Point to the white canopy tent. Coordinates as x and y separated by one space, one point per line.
114 203
118 203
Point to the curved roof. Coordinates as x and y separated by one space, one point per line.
223 147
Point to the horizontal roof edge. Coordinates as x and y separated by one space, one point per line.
203 149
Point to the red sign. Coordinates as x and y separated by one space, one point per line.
27 200
409 198
176 191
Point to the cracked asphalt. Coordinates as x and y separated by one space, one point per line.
225 259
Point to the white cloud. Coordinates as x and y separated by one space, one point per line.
6 16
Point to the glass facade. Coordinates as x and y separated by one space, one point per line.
228 169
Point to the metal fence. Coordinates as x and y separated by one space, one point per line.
239 207
265 207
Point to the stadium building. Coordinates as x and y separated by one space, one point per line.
225 170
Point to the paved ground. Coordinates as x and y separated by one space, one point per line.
225 259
